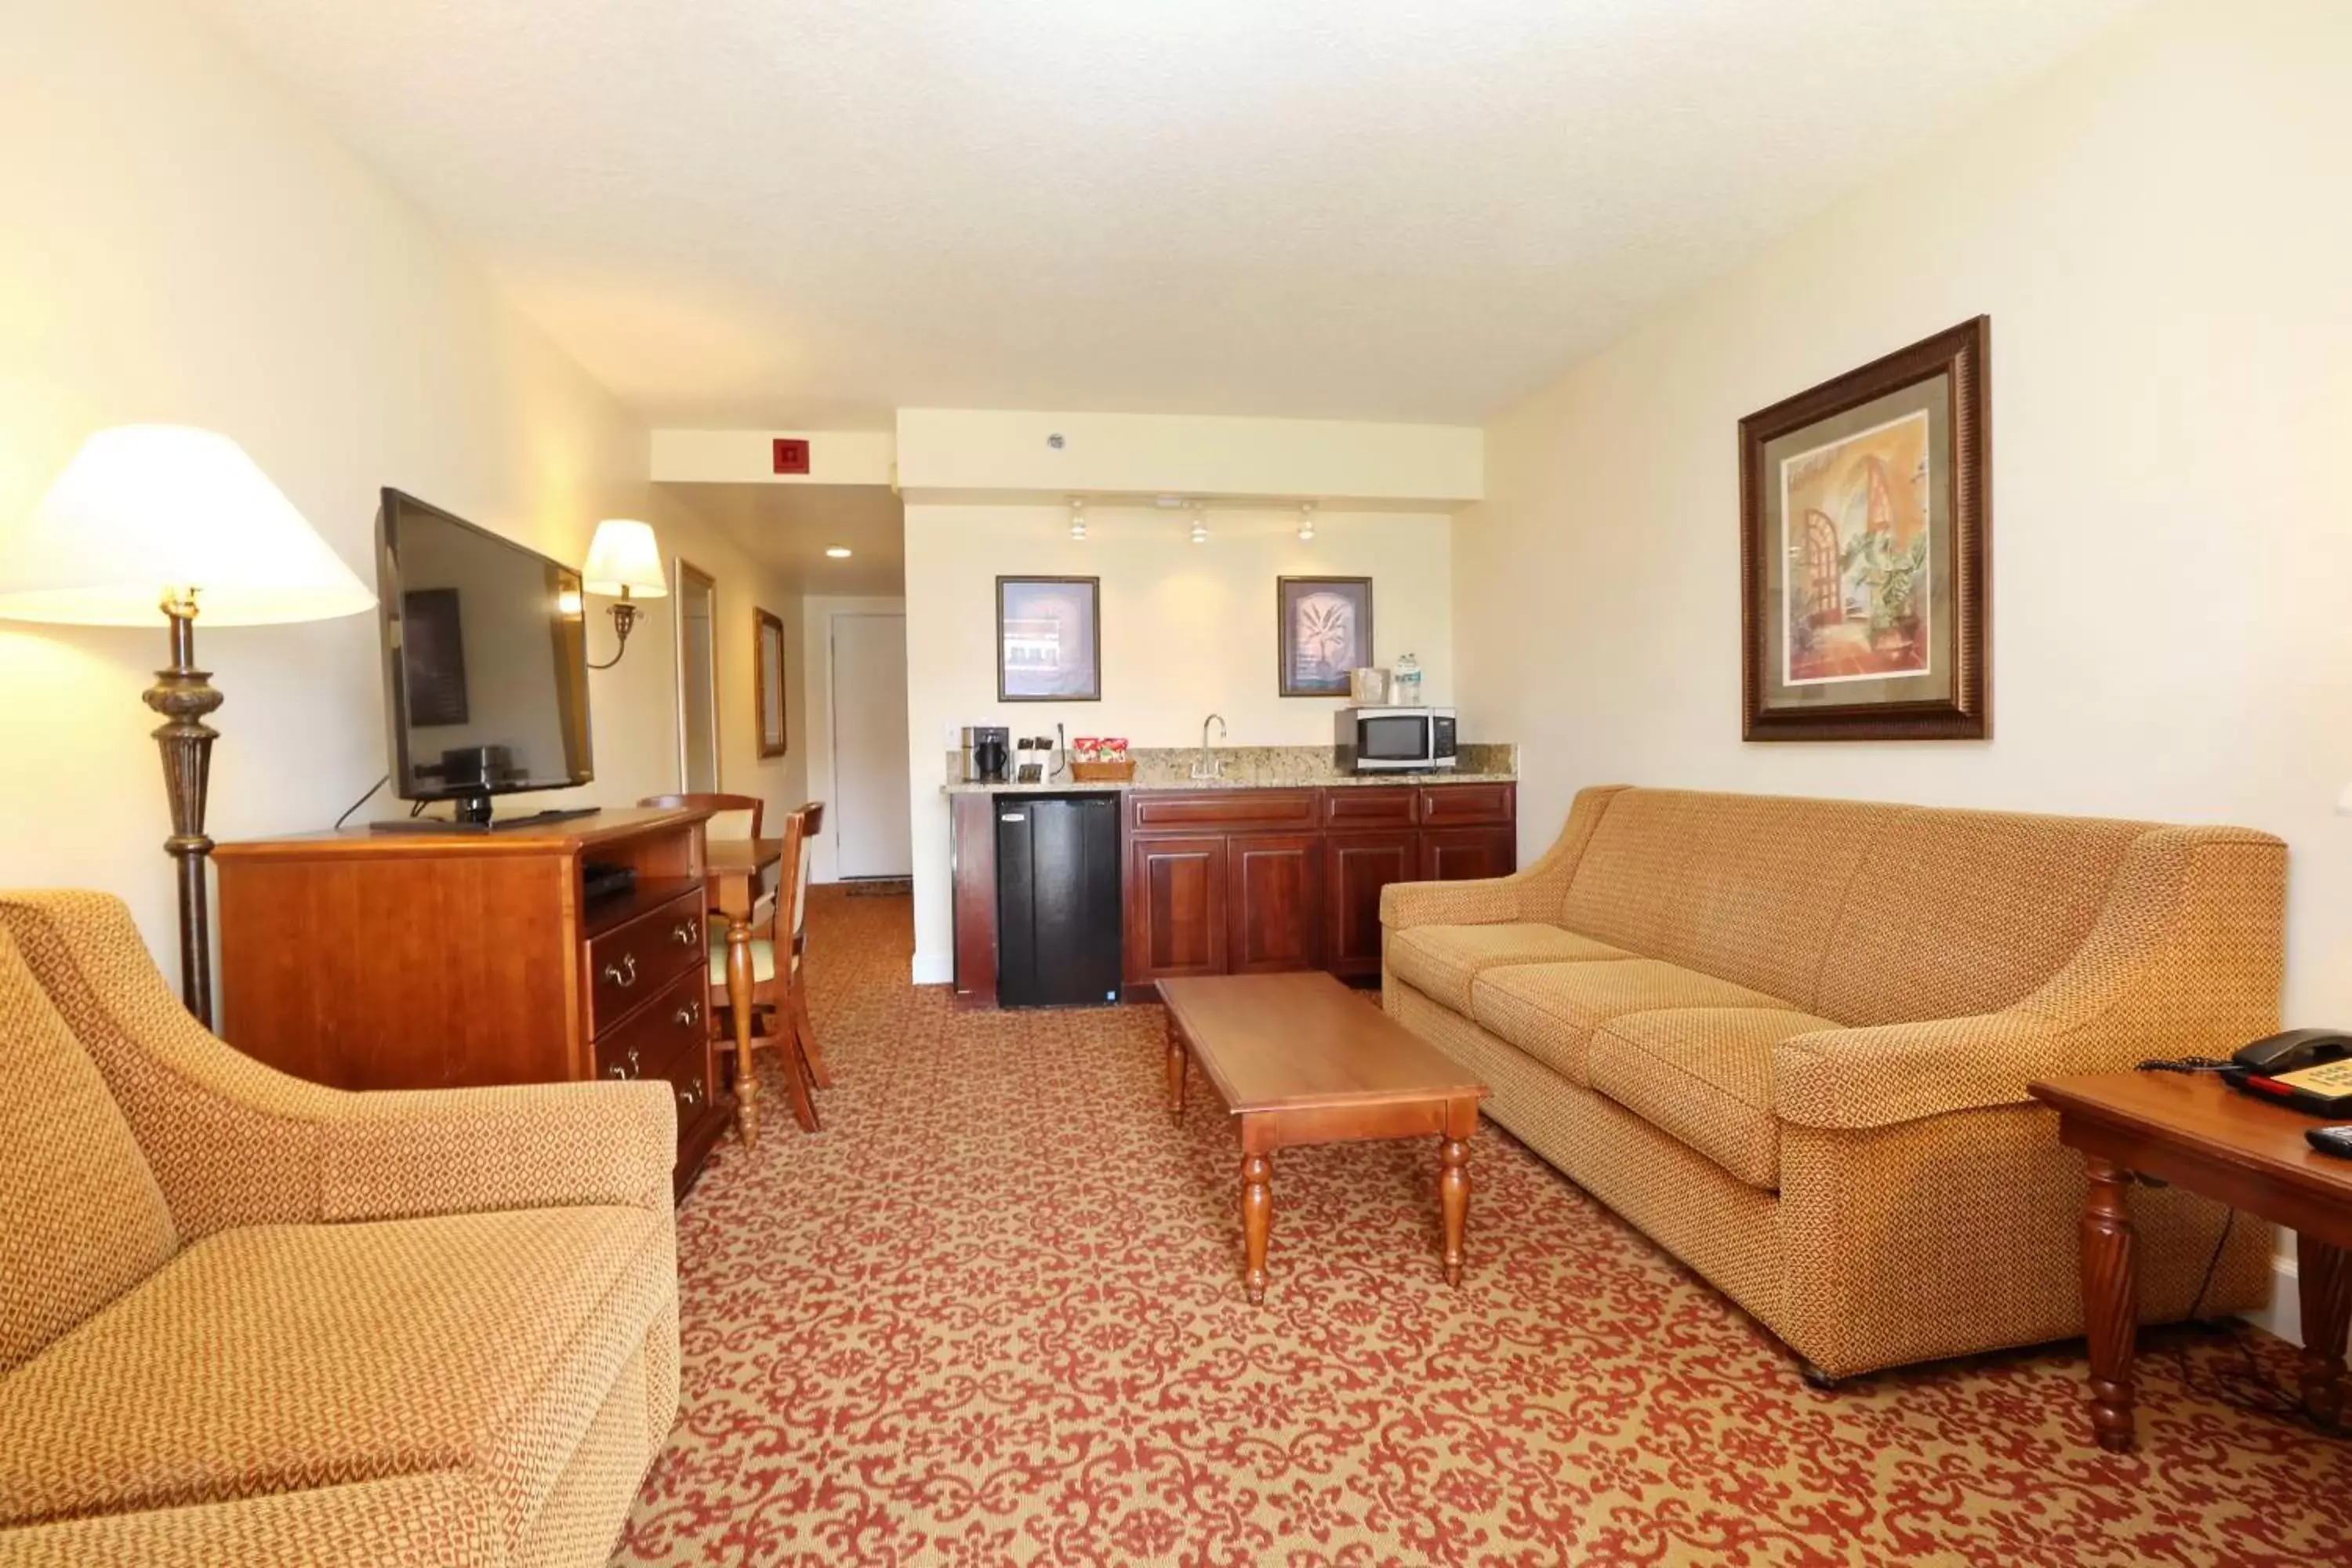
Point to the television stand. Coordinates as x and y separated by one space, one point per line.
474 817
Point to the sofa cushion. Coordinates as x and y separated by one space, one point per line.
1440 962
1704 1075
280 1358
81 1218
1550 1010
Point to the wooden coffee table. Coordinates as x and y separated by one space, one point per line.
1297 1058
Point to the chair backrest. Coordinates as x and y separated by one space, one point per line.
801 826
82 1219
710 802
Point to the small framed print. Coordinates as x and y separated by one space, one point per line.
1048 639
1865 552
768 679
1324 630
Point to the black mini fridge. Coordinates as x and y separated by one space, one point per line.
1057 903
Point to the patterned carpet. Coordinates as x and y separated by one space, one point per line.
993 1315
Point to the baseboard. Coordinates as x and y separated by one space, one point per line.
2284 1316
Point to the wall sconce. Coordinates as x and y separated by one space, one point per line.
1306 522
1199 522
1078 518
624 561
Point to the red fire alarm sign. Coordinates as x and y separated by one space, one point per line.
791 456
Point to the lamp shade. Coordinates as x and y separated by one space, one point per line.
625 559
143 510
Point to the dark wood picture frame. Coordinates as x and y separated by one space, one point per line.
1962 355
773 742
1285 662
1093 693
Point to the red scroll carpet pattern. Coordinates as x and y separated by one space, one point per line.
993 1315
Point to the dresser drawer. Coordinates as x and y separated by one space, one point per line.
630 962
1369 805
1465 805
1150 811
642 1045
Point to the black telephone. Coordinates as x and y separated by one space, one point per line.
2308 1069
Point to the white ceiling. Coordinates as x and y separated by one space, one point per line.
780 213
789 526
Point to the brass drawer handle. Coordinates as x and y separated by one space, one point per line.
691 1095
637 1067
682 933
623 973
689 1014
616 1070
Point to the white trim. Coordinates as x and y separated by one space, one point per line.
2284 1316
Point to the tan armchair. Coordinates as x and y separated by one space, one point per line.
245 1319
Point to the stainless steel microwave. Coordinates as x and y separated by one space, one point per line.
1395 740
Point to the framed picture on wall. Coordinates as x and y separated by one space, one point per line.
1323 629
1048 641
1865 551
768 682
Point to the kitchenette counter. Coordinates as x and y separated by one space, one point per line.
1258 767
1328 781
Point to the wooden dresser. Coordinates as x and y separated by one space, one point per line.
455 960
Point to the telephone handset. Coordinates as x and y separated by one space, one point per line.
2308 1069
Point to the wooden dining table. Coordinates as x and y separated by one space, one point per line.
735 877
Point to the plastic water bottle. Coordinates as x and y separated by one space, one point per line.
1405 682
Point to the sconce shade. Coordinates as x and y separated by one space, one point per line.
624 558
143 510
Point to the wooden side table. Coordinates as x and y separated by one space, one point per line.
2204 1137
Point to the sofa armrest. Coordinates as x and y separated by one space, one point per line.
1489 900
233 1142
1533 893
1879 1077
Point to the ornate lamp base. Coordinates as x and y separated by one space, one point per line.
184 695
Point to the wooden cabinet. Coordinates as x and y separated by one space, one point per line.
451 960
1273 903
1466 854
1175 906
1357 865
1256 881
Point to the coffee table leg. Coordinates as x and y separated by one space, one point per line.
2324 1277
2110 1302
1175 1071
1454 1197
1257 1221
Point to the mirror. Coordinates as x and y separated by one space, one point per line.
697 680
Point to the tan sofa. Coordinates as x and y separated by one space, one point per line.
245 1319
1789 1039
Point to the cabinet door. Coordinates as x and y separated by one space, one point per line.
1462 854
1357 865
1274 902
1175 908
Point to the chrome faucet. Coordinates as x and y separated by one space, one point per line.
1208 767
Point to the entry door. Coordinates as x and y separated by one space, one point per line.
869 809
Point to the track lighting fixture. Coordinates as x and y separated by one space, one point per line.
1199 522
1306 522
1078 517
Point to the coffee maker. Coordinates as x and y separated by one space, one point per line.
987 752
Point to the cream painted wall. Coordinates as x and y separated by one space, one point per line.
187 247
2172 374
815 696
1186 630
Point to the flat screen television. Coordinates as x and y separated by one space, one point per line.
486 663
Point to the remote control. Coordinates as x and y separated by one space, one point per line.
2335 1140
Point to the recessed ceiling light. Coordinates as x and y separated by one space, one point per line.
838 552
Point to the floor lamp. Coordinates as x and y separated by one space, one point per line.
158 519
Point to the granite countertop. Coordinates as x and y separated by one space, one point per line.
1331 781
1259 767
